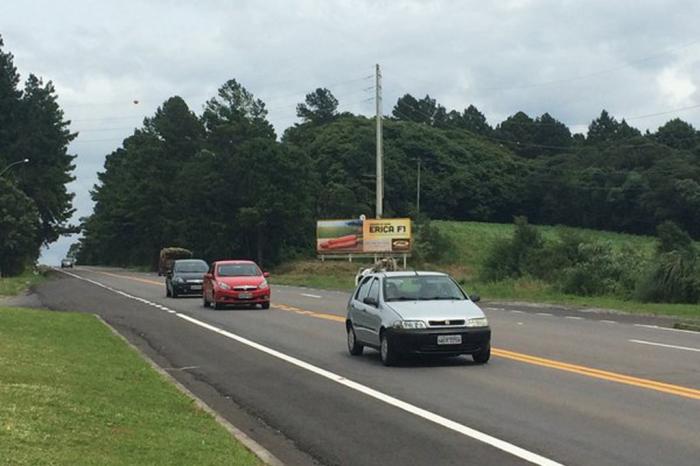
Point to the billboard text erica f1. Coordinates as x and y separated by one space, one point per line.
356 236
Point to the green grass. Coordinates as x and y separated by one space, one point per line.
472 242
12 286
71 392
331 274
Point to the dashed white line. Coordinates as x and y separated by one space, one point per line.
573 317
608 321
543 314
664 345
308 295
339 379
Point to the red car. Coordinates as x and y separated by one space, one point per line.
235 282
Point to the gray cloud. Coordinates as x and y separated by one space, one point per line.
568 58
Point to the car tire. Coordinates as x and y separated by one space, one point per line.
217 306
265 305
354 348
387 353
483 355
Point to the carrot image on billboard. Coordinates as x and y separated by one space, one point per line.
339 236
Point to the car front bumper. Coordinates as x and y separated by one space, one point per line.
187 288
239 297
425 341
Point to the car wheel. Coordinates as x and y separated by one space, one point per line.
483 355
265 305
217 305
387 352
353 346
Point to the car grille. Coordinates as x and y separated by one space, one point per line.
446 323
244 287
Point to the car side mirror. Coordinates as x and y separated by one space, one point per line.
370 301
475 298
266 274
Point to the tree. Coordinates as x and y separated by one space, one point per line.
606 129
19 230
10 103
320 107
475 121
43 137
425 110
32 126
678 134
518 132
234 116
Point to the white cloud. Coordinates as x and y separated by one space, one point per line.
676 87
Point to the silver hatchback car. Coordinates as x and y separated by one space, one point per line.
416 313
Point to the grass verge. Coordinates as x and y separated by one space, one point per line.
71 392
339 275
12 286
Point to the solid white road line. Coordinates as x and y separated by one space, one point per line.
656 327
339 379
311 295
685 348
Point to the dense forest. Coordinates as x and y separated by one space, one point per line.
34 203
223 184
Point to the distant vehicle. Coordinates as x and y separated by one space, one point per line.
67 263
418 313
236 282
170 255
186 277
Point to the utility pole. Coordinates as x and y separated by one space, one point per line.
380 162
418 190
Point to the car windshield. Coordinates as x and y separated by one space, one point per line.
238 270
191 267
421 288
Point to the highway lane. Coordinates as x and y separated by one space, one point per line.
558 413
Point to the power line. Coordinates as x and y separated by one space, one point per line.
624 65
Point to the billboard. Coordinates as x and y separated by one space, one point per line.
364 236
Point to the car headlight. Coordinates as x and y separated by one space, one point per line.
178 280
263 285
409 324
223 286
477 322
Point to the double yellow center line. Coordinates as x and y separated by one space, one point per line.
649 384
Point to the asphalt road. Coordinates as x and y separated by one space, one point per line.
559 388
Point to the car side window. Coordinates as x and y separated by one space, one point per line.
364 288
374 290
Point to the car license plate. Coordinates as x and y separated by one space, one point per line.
195 287
449 339
245 295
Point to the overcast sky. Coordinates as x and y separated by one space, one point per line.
571 59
